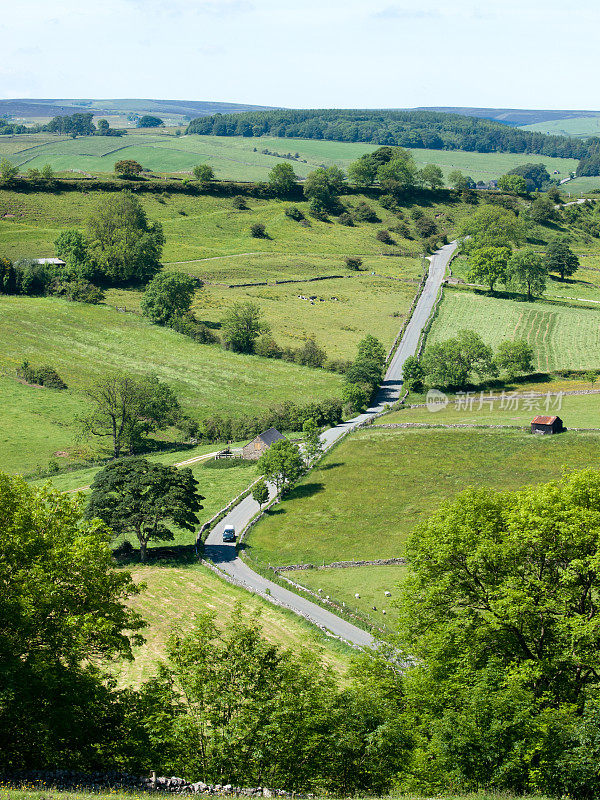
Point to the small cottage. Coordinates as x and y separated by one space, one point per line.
261 443
547 425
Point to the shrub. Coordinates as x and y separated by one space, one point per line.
353 262
346 219
293 212
389 202
41 376
364 213
384 237
425 226
310 354
267 347
128 168
240 203
79 291
188 325
258 230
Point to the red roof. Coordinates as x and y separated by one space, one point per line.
543 420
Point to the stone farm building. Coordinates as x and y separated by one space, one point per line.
261 443
546 425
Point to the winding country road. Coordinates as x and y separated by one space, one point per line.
225 557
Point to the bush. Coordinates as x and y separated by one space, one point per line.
41 376
310 354
389 202
353 262
293 212
267 347
425 226
258 230
385 237
364 213
346 219
79 291
240 203
188 325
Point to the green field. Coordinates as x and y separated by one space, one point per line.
371 583
371 491
84 343
579 127
561 337
576 411
581 187
237 157
202 227
176 595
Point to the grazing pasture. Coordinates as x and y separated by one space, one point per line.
369 582
238 157
372 490
561 337
578 127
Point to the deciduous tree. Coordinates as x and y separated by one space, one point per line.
514 356
241 327
527 272
488 265
167 295
560 258
127 409
282 464
142 498
282 178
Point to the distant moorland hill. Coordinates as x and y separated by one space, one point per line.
511 116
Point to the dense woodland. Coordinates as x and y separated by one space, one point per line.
420 129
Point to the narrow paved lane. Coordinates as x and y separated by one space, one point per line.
225 557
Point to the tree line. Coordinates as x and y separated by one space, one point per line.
414 129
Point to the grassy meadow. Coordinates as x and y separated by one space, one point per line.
371 491
561 337
175 596
84 343
236 157
371 583
576 411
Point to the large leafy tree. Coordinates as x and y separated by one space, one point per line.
432 176
282 464
242 326
323 185
63 607
282 178
127 409
499 613
451 363
168 294
141 498
514 357
124 246
561 259
490 226
398 175
363 171
488 265
527 272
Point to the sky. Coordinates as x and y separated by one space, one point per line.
305 53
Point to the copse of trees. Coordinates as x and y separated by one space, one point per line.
288 416
364 375
149 121
498 615
453 363
490 226
413 129
323 186
79 124
64 609
536 176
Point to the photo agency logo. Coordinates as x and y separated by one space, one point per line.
530 402
436 400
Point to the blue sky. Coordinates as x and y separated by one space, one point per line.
314 53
